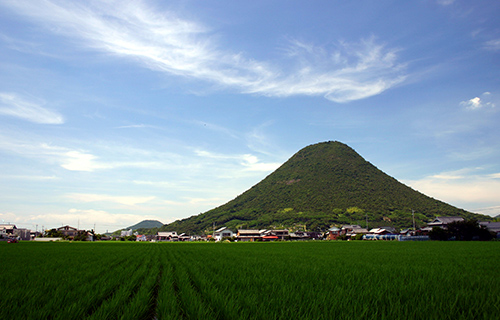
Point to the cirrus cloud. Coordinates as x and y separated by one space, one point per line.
163 42
124 200
14 105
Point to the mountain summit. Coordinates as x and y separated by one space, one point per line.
321 185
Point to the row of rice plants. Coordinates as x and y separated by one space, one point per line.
360 280
47 277
355 280
65 280
131 300
167 303
92 285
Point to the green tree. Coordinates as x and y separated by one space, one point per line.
53 233
81 236
438 233
468 230
465 230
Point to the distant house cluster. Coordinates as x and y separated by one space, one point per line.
244 235
333 233
10 232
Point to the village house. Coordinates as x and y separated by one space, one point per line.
69 232
282 234
184 237
272 235
443 222
305 235
22 234
333 233
167 236
382 230
222 233
352 230
197 238
492 227
248 235
7 229
126 233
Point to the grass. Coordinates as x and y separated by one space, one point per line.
307 280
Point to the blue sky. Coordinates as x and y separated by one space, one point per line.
112 112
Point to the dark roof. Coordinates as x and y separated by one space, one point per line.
491 226
248 232
445 220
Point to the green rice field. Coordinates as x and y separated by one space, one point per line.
282 280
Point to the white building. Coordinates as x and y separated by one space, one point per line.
167 236
126 233
223 232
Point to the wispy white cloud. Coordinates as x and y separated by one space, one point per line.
464 187
85 218
249 162
445 2
163 42
478 102
73 160
82 160
493 45
490 211
259 141
27 177
14 105
124 200
132 126
351 71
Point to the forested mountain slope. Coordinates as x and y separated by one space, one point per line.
321 185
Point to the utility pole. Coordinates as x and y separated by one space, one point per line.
413 215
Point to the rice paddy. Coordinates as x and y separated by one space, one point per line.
284 280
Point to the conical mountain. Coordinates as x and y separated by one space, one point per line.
321 185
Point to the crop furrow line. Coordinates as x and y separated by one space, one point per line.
133 292
153 312
176 288
197 285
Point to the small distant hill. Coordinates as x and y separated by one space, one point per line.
322 185
146 224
